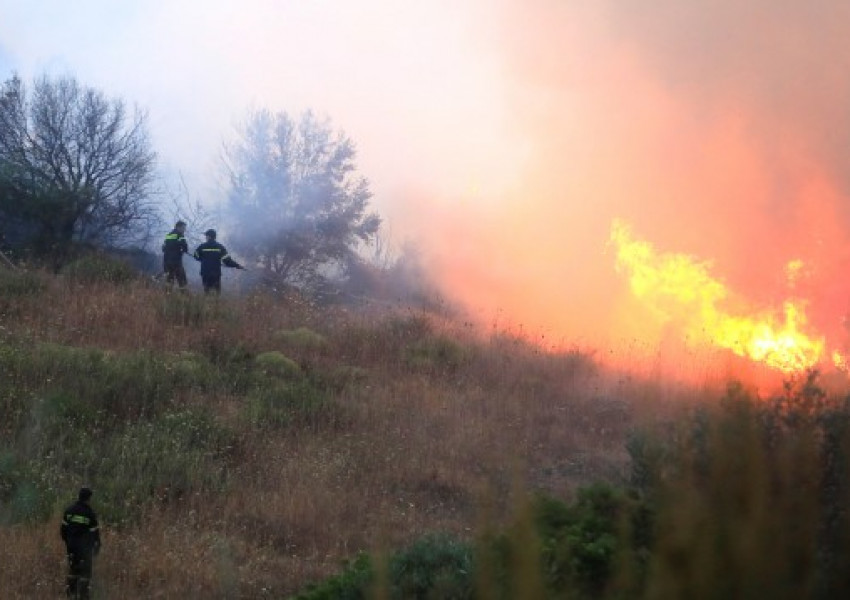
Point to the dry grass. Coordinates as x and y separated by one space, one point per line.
419 443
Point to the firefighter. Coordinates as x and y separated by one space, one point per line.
212 255
80 532
173 249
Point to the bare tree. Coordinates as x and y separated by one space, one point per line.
189 209
294 197
74 165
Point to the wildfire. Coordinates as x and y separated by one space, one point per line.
679 288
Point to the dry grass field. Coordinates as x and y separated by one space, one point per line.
246 446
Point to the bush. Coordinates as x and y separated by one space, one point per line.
354 583
189 369
275 364
436 566
581 541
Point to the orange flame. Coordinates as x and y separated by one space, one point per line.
679 288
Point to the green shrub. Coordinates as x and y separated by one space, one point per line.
581 541
99 268
275 364
436 566
189 369
354 583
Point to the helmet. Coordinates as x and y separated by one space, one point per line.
85 494
179 224
210 233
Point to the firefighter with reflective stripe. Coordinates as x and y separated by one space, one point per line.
81 534
212 255
173 249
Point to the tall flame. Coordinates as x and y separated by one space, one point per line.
679 288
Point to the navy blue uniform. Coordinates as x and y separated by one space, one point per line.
173 249
212 255
81 534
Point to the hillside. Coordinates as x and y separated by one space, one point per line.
249 445
261 446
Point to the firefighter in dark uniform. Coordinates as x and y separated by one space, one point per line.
173 249
212 255
81 534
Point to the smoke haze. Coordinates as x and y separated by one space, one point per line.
505 137
716 129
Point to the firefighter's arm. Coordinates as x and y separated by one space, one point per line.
227 261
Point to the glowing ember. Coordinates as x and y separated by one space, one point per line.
680 289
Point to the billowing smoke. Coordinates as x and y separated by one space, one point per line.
717 129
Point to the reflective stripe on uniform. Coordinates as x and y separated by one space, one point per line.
210 250
80 519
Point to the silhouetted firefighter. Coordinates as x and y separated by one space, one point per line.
81 534
212 255
173 249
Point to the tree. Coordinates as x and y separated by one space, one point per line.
297 204
74 165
